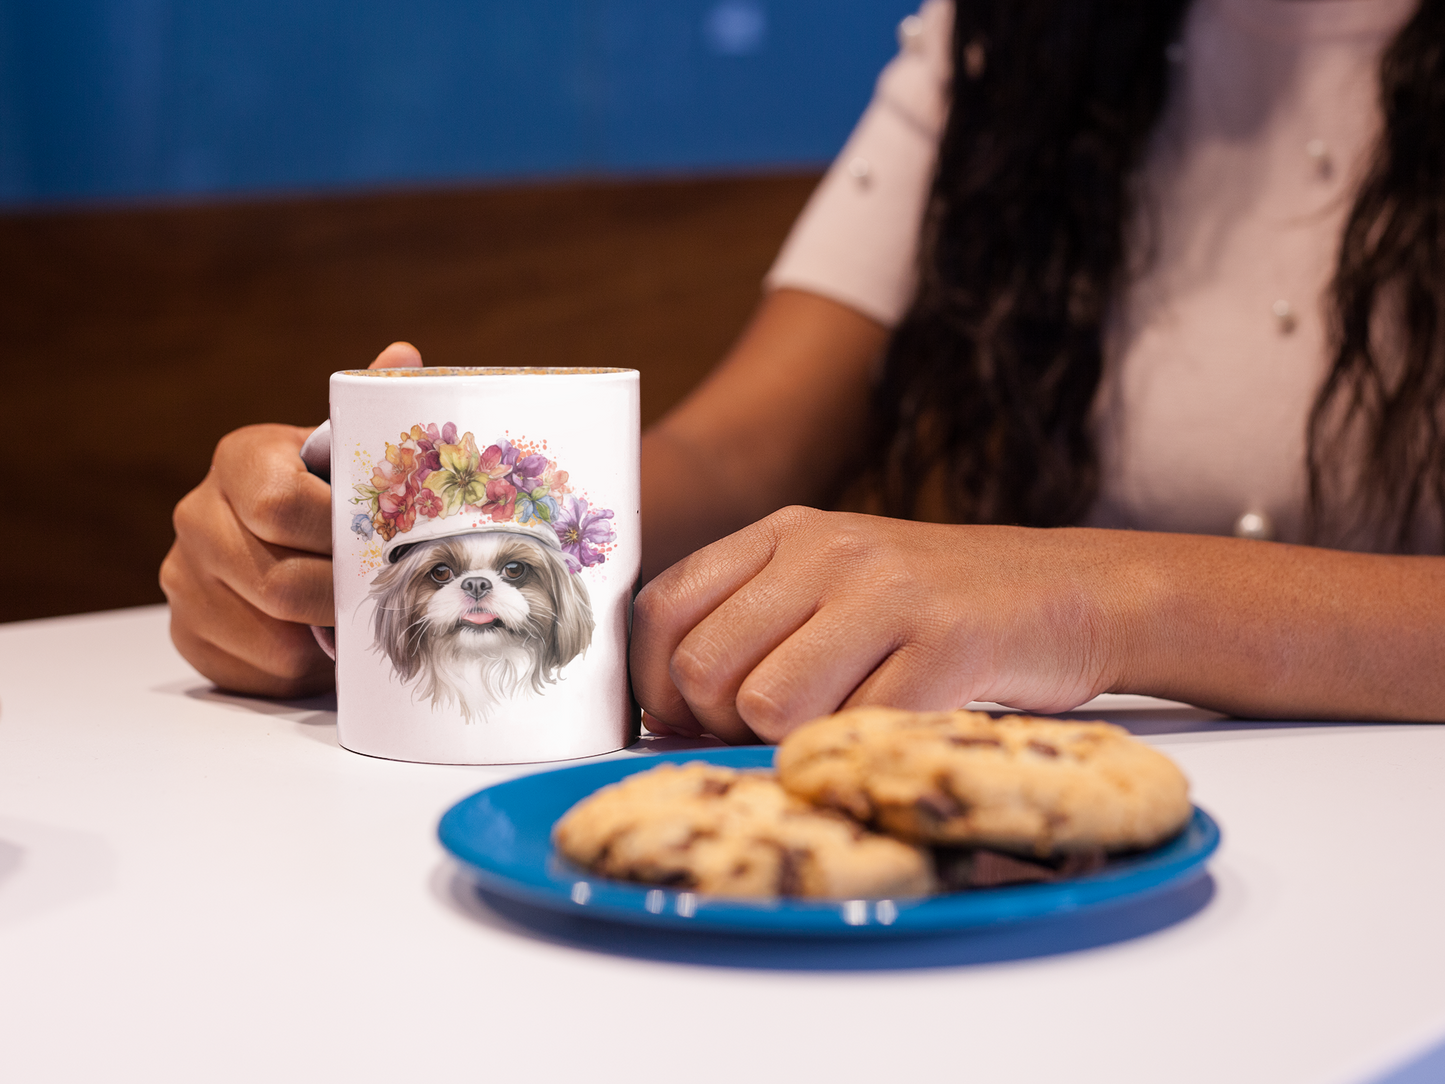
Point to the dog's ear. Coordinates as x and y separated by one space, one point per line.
571 633
393 621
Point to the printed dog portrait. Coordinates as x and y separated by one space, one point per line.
477 619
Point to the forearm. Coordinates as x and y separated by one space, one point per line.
771 426
684 503
1271 630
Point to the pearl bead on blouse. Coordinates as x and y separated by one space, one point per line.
910 32
1254 525
1284 317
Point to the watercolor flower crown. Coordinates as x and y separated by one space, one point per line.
430 475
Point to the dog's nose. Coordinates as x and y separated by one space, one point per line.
476 586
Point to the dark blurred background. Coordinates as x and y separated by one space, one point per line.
206 208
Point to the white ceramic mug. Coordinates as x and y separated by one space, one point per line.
486 543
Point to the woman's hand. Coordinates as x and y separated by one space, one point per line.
250 569
807 611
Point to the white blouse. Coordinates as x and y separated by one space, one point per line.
1215 351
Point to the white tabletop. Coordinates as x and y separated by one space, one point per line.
202 887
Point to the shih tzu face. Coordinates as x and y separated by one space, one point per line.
480 618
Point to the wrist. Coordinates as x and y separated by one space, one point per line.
1137 583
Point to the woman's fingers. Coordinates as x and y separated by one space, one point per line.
674 604
258 471
283 582
741 637
813 671
661 729
249 569
919 677
400 355
710 664
240 648
235 644
869 644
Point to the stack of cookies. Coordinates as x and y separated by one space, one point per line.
884 803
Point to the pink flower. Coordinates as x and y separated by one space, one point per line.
397 510
428 504
501 501
494 464
429 441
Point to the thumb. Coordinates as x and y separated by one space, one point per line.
398 356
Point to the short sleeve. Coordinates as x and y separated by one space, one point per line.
856 241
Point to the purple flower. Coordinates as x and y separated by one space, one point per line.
361 524
581 530
527 474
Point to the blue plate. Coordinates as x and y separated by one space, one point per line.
503 834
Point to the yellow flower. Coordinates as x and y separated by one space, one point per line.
464 475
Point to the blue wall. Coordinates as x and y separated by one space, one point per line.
104 99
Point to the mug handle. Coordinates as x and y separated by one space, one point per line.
326 637
316 454
316 451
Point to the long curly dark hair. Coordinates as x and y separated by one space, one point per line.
990 377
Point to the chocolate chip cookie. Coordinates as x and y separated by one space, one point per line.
728 833
1026 785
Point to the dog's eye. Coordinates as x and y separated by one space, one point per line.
441 573
514 570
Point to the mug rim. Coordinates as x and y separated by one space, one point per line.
465 372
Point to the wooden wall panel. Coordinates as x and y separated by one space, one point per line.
133 339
